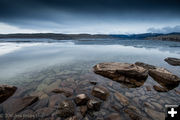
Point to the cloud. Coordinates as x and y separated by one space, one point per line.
164 29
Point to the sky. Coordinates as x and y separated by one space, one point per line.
89 16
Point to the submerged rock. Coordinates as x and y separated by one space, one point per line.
16 105
66 109
94 105
83 110
173 61
113 116
155 115
66 91
164 77
160 89
81 99
122 72
6 91
100 92
121 98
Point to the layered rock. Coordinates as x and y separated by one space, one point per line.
100 92
6 91
122 72
173 61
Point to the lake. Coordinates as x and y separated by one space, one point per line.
39 66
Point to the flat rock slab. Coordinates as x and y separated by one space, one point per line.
122 72
6 91
17 104
173 61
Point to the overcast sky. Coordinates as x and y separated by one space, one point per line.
89 16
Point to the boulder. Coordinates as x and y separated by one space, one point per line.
173 61
81 99
122 72
160 89
17 104
66 109
72 118
121 98
164 77
6 91
100 92
94 105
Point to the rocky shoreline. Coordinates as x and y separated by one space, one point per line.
89 99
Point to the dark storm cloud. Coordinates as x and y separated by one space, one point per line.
68 13
41 8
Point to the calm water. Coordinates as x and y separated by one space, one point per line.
35 66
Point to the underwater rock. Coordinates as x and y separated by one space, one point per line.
122 72
66 91
155 115
17 104
66 109
113 116
6 91
100 92
83 110
173 61
121 98
160 89
94 105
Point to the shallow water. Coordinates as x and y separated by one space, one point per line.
39 67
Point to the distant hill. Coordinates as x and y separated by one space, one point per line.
166 37
146 36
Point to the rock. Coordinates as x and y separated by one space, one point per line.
122 72
160 89
113 116
164 77
93 82
81 99
155 115
56 99
146 104
100 92
173 61
6 91
132 114
66 91
148 88
41 104
83 110
66 109
145 66
17 104
94 105
121 98
178 92
72 118
45 112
